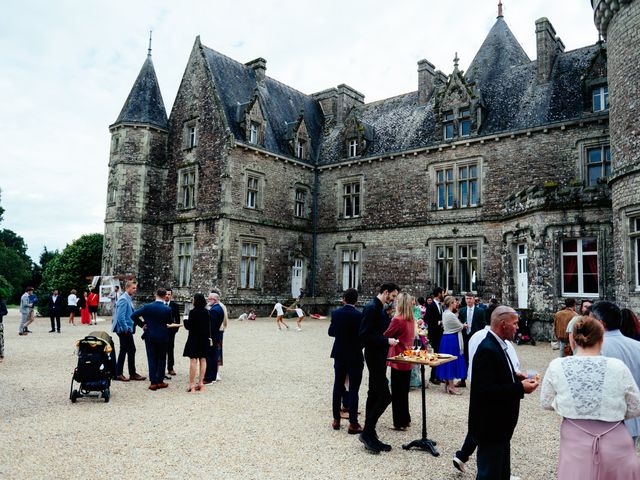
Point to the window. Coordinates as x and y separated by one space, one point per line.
252 191
116 143
468 186
457 266
580 267
351 199
598 164
350 268
635 249
185 252
300 206
190 134
457 186
301 148
353 148
248 265
600 98
253 133
111 195
465 123
447 127
187 188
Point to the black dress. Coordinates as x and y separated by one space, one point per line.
197 344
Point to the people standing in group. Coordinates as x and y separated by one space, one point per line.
583 311
216 319
560 322
124 327
3 312
175 319
153 318
26 307
348 361
433 319
593 394
496 391
474 316
376 347
618 346
54 305
221 331
83 304
278 309
452 343
630 325
197 345
92 302
402 327
72 305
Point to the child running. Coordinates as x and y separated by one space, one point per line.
300 313
279 309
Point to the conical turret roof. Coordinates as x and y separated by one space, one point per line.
499 52
144 103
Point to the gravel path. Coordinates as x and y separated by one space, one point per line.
269 417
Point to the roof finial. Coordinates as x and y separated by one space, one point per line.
149 51
500 9
455 61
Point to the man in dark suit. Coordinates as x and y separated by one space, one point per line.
376 348
474 317
348 358
175 318
216 317
496 391
55 310
433 319
155 318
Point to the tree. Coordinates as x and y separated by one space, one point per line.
15 269
6 289
1 209
14 242
71 269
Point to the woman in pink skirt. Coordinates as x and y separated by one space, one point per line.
594 394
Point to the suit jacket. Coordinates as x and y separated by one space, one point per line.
494 405
478 322
175 316
55 308
216 317
345 328
122 322
372 328
433 319
155 318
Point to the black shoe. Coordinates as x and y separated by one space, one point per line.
458 463
167 377
52 331
369 442
58 331
435 381
383 447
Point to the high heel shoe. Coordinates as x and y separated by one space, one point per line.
453 391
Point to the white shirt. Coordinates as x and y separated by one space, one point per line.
54 297
469 318
590 388
72 300
278 306
477 338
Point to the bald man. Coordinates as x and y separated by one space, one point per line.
496 390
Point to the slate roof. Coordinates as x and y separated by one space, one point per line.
144 103
236 84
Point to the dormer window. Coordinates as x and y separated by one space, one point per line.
600 96
190 134
353 148
465 123
253 133
301 147
447 126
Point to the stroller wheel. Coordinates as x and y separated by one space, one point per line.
74 396
106 395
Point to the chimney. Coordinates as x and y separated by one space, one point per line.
328 100
426 76
548 46
259 66
347 99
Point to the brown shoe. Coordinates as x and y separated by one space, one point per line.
162 385
344 415
153 386
172 372
138 377
122 378
354 428
335 424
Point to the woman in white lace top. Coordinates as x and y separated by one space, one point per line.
594 394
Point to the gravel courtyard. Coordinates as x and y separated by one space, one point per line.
269 417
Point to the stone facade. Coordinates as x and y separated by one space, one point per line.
477 181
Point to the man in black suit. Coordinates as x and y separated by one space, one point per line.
433 319
155 318
376 348
348 358
496 391
175 318
55 310
474 317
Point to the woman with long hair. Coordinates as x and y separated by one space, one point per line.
452 343
198 341
630 325
402 327
594 394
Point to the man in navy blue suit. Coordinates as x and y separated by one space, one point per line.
155 318
348 358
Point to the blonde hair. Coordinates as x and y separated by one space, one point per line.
448 300
404 306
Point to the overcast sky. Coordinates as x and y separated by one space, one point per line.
66 68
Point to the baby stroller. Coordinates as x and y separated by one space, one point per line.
524 332
96 364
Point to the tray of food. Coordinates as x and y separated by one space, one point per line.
422 356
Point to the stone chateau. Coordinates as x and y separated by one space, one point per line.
517 178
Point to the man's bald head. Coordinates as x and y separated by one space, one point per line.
504 322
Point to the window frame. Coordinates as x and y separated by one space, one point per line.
246 260
252 195
254 132
300 205
184 261
352 264
448 125
579 254
351 198
605 163
601 92
447 267
190 134
353 148
448 187
188 188
301 148
111 194
464 118
634 239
